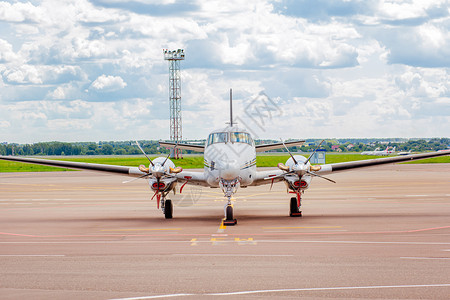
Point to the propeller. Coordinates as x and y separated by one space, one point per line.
312 168
323 177
157 170
293 158
142 150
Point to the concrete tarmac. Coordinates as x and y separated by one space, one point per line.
380 232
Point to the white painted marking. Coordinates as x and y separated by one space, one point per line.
416 195
354 242
438 258
31 255
234 255
291 290
231 241
155 297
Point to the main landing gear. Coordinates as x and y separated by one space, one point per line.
294 210
229 221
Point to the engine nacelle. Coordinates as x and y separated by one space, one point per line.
167 165
164 184
295 183
299 158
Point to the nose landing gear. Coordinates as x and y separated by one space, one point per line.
229 187
294 210
229 221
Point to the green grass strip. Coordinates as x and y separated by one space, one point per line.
188 162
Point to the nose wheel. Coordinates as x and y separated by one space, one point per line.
229 221
168 209
294 208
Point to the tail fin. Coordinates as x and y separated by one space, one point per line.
231 108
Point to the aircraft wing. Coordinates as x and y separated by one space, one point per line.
124 170
344 166
192 177
198 148
263 177
266 147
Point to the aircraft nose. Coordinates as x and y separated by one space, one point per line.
230 170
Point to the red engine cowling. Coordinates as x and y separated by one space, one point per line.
300 184
161 186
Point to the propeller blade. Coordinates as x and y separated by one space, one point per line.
317 175
288 151
314 152
142 150
279 176
169 153
142 176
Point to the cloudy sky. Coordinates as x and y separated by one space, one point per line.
83 70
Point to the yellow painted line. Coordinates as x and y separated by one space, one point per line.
221 225
308 227
141 229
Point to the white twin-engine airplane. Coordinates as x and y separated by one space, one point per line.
229 163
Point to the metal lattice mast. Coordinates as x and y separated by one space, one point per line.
174 57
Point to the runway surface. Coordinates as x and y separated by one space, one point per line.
382 232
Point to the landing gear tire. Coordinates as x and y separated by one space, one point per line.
168 209
229 221
294 209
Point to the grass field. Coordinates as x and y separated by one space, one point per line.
188 162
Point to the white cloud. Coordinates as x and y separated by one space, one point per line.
58 93
400 10
97 66
5 124
41 74
6 52
20 12
108 83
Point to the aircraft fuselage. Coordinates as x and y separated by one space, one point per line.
230 155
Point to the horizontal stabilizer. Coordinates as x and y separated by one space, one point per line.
267 147
192 147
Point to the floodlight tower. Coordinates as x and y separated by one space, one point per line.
174 57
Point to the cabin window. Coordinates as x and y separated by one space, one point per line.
241 137
219 137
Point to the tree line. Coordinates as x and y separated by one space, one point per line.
82 148
152 147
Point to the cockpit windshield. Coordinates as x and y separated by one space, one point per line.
234 137
241 137
219 137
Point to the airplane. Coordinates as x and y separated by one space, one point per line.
389 152
229 164
404 152
370 152
379 152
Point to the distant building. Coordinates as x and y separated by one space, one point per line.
335 148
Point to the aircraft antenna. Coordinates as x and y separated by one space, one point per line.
174 57
231 108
